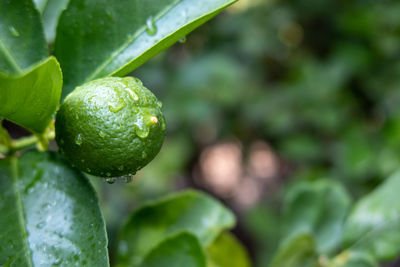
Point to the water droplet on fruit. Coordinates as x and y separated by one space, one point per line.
150 26
121 168
78 139
13 31
142 133
102 134
182 40
132 94
110 180
116 106
76 116
163 125
159 104
144 155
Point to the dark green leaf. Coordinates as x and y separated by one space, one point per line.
226 250
100 38
317 207
296 252
373 225
181 250
22 40
49 214
31 99
51 11
189 211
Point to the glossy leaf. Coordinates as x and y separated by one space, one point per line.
317 207
226 250
31 99
189 211
299 251
373 225
50 11
22 42
181 250
49 214
97 38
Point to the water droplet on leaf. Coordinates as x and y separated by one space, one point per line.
13 31
182 40
150 26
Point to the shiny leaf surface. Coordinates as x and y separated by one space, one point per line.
50 214
22 42
100 38
31 99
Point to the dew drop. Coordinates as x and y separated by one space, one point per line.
116 106
132 94
182 40
13 31
159 104
142 133
78 139
110 180
126 178
144 155
102 134
150 26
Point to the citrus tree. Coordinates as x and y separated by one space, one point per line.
73 52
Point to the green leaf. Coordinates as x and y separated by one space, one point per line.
373 225
296 252
31 99
49 214
353 259
97 38
189 211
226 250
50 11
22 40
317 207
181 250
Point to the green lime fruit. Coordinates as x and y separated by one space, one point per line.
110 127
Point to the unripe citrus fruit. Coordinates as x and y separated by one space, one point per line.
110 127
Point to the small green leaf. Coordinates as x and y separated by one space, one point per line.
49 214
98 38
317 207
298 251
31 99
180 250
373 225
22 42
189 211
226 250
50 11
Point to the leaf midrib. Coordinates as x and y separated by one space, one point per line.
10 59
125 44
20 210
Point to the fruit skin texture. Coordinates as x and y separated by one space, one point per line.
110 127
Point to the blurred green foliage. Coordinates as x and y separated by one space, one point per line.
318 80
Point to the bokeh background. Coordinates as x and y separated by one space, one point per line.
267 94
